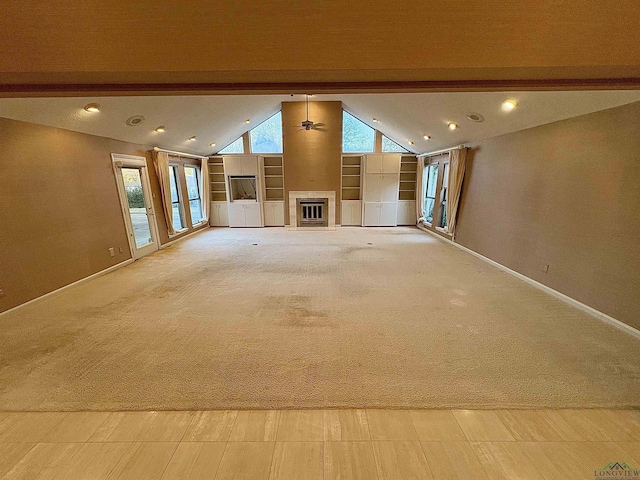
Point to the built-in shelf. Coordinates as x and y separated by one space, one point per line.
351 177
273 172
408 177
216 180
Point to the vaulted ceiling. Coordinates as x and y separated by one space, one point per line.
221 118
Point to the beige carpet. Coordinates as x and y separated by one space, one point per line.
352 318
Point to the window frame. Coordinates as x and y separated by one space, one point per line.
198 174
176 177
442 161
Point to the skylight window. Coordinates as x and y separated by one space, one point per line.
389 146
235 147
357 136
267 137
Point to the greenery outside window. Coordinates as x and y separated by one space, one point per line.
234 147
192 176
176 205
431 182
267 137
357 136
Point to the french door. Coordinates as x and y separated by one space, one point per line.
137 203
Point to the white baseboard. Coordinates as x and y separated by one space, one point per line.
571 301
77 282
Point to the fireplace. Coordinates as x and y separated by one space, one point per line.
311 212
312 209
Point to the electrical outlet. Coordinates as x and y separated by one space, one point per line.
112 252
545 269
2 294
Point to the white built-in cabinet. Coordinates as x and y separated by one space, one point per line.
381 183
407 212
244 212
351 213
240 165
219 214
272 168
351 190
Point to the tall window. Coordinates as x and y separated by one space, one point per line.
267 137
357 137
444 196
431 181
176 207
235 147
390 146
192 175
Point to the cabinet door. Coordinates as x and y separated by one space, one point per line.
249 165
373 187
346 217
388 214
373 164
356 213
232 165
407 213
236 214
371 214
278 214
389 187
223 215
391 163
253 217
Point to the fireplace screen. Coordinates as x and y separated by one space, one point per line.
312 212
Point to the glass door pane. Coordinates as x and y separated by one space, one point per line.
137 209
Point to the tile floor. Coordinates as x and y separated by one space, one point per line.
318 444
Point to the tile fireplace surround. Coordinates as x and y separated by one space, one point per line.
331 201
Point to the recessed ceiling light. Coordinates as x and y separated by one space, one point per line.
409 142
212 144
452 125
160 129
375 120
192 139
475 117
509 104
92 107
427 137
247 121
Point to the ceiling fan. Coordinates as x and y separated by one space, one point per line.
308 124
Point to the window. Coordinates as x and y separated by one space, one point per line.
235 147
443 196
267 137
192 175
357 137
176 207
431 181
389 146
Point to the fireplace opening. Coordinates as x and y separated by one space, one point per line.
312 212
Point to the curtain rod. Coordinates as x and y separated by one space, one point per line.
156 149
440 152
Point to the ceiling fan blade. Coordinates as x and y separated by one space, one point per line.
318 124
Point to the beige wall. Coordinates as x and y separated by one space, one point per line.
312 158
60 208
228 43
567 195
